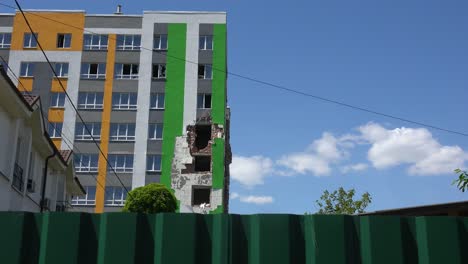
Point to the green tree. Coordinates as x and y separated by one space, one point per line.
342 202
150 199
462 181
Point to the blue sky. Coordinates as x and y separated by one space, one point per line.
405 58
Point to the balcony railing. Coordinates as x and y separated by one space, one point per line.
18 181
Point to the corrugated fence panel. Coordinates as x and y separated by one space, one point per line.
58 238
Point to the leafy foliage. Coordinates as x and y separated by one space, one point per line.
341 202
462 181
150 199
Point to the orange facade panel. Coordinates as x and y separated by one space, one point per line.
25 84
56 115
48 25
57 142
56 88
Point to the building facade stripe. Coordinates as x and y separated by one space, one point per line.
219 102
191 78
105 125
174 96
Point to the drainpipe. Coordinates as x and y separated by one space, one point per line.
45 178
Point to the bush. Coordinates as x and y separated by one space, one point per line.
150 199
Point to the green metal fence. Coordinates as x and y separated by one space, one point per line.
66 238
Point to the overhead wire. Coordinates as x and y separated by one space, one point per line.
281 87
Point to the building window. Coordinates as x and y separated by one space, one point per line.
128 42
153 163
205 71
86 162
159 71
93 70
61 69
124 101
95 42
121 162
27 69
206 42
64 40
204 101
157 101
55 130
115 196
5 40
89 100
202 163
18 180
57 100
81 133
155 131
88 199
126 71
200 195
30 40
122 132
30 185
160 42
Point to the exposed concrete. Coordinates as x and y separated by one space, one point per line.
183 176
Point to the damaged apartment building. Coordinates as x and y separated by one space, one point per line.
151 89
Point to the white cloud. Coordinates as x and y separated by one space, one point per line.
354 167
250 171
317 158
257 199
233 196
412 146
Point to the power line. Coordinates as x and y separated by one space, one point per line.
63 137
280 87
65 91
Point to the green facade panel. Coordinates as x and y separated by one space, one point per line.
219 103
57 238
174 97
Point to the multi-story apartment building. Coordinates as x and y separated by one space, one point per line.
151 90
34 175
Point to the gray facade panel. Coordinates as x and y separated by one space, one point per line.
205 57
121 147
127 57
204 86
88 147
87 179
90 116
159 57
126 179
203 113
156 116
206 29
118 116
152 178
125 86
112 22
158 86
154 146
83 209
94 56
5 53
6 20
160 28
41 84
91 86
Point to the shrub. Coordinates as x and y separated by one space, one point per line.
150 199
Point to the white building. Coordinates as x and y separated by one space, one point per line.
25 151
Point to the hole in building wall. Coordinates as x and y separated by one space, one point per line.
202 163
203 136
201 194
